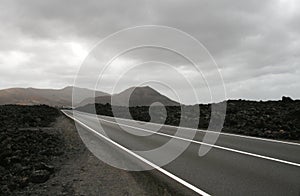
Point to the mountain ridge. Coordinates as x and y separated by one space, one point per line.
138 96
37 96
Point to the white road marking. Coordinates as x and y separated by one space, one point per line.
167 173
211 145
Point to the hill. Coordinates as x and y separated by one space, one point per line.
34 96
138 96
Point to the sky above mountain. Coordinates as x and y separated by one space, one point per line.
256 44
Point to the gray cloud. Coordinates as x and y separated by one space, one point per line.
255 43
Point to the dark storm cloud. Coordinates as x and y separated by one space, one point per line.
255 43
58 19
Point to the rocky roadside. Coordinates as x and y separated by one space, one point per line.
28 146
50 159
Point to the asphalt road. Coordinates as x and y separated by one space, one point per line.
236 165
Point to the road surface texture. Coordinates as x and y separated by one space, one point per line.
236 165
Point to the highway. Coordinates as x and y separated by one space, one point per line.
236 165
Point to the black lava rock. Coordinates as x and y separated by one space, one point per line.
40 176
24 135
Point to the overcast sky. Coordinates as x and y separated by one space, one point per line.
255 43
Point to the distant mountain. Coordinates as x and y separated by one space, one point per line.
138 96
52 97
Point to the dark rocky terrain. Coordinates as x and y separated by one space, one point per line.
268 119
28 146
41 153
